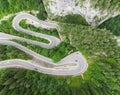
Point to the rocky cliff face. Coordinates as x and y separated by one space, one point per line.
94 11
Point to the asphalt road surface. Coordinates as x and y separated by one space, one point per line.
73 64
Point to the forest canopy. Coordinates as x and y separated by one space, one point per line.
97 44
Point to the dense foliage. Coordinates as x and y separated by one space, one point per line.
6 26
113 25
11 6
23 82
98 46
102 53
52 32
104 61
10 52
63 48
71 18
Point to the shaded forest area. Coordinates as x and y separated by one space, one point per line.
113 25
24 82
71 18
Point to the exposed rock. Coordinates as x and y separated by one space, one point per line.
94 11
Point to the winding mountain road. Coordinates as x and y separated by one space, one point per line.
73 64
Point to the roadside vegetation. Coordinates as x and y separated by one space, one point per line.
102 53
10 52
104 61
56 53
97 45
52 32
6 27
